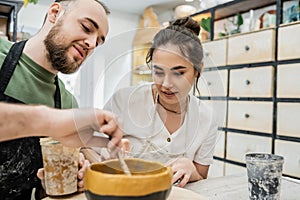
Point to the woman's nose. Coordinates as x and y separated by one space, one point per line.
167 82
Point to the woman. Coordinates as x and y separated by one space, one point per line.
163 120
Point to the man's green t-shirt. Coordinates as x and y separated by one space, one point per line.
32 84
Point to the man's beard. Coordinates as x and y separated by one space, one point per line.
57 53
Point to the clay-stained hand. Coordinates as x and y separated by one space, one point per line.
82 164
40 174
125 145
77 127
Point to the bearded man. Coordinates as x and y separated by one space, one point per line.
28 75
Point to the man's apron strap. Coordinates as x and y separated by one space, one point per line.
9 64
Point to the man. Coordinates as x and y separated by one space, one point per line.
28 75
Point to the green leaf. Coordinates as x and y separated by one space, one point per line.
33 1
240 20
222 34
205 24
235 31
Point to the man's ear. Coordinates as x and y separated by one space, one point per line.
54 12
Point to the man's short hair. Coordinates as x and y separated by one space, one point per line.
107 11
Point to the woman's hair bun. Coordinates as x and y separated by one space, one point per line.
188 23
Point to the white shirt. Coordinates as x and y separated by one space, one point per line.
148 136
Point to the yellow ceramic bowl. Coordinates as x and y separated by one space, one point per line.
149 180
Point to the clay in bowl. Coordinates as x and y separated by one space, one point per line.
149 180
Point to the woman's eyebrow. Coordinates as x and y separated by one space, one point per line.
157 67
178 67
172 69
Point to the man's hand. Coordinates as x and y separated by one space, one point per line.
82 164
77 128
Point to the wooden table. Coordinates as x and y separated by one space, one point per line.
176 194
235 187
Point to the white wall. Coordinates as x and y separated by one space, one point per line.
31 18
110 66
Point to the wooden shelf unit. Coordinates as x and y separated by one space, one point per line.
9 10
255 81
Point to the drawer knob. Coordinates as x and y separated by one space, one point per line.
247 48
209 83
247 115
248 82
206 54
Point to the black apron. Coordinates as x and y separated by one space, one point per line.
21 158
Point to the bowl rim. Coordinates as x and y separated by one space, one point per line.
122 184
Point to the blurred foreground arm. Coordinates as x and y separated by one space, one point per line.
72 127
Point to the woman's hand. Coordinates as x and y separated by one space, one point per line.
184 171
82 164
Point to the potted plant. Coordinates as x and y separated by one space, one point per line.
237 22
29 1
205 25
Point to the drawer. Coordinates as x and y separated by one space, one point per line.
291 153
250 115
213 83
288 119
220 145
289 42
251 82
288 81
240 144
231 169
251 48
215 53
